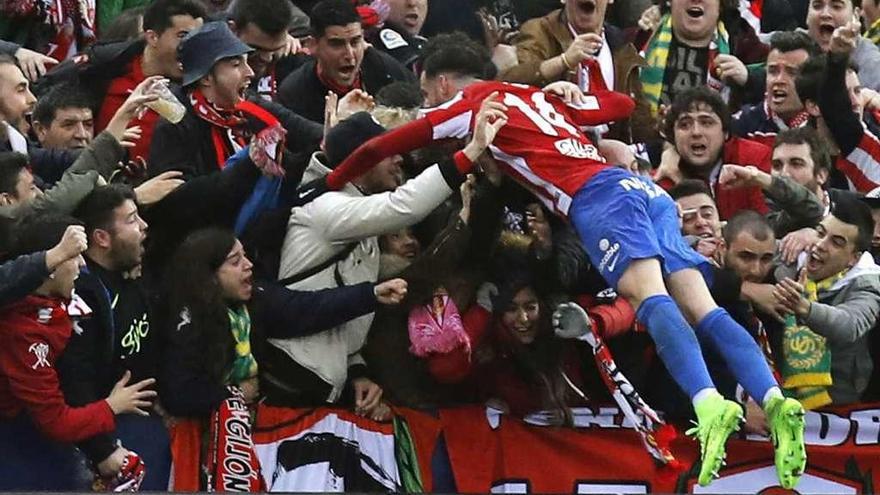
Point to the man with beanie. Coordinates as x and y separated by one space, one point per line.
219 120
333 241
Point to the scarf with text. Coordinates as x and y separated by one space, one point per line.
806 363
656 53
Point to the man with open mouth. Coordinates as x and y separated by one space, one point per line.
342 62
575 44
692 47
824 16
221 116
781 108
698 127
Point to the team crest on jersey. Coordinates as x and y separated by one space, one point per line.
576 149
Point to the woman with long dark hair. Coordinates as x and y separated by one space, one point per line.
217 319
514 359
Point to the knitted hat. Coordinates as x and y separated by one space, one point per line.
348 135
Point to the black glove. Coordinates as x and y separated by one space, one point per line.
307 192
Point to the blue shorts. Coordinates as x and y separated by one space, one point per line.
621 217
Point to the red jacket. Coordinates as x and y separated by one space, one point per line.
117 92
739 151
33 334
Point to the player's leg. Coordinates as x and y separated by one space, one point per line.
741 353
611 216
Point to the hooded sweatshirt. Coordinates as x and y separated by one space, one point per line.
844 314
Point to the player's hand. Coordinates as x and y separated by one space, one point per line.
491 118
569 92
730 68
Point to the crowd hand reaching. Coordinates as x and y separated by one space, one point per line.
485 293
730 68
468 190
756 419
390 292
761 296
539 229
250 390
583 47
367 396
570 321
291 47
491 118
569 92
331 115
113 463
650 19
72 244
845 38
130 136
790 294
32 63
734 176
668 168
155 189
134 399
355 101
707 247
142 94
795 243
870 99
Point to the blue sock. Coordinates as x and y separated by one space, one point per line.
676 343
740 351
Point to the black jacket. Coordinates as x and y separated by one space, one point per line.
93 69
304 93
188 146
207 200
398 43
276 312
116 337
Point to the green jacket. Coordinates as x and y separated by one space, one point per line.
94 165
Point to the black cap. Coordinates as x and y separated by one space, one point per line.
201 49
873 198
347 135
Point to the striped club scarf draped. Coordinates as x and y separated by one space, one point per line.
656 53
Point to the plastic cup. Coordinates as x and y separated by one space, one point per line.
168 106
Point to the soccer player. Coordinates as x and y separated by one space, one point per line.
628 225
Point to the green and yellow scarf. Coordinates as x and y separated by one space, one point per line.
657 53
806 365
244 366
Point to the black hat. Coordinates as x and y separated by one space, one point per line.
347 135
201 49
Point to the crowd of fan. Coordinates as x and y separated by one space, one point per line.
194 266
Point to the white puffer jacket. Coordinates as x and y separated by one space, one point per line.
320 230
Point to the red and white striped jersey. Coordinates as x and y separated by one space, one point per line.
542 145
